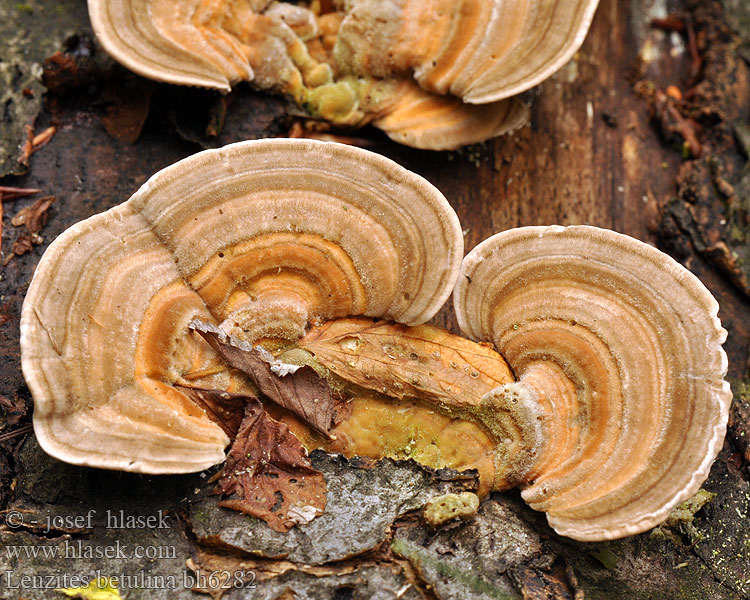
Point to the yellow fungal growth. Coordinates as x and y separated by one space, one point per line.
445 508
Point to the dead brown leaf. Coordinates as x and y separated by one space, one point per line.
127 107
302 391
34 216
421 362
268 472
225 409
21 246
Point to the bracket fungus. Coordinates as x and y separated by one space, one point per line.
435 75
234 295
617 349
258 237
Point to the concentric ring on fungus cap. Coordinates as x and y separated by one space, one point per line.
260 237
621 348
432 74
478 50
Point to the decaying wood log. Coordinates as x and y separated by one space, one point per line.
608 145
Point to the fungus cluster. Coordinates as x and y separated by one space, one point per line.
432 74
618 411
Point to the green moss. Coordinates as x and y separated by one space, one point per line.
199 515
606 557
682 516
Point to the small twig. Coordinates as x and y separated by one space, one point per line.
43 138
9 435
11 193
34 142
696 62
669 23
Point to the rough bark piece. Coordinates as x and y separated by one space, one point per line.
30 31
361 505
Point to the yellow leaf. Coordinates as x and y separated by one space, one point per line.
101 588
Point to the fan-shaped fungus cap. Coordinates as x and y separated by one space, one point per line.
419 119
620 348
130 33
289 49
260 237
479 50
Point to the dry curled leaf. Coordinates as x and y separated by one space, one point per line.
11 193
268 472
21 246
298 389
422 362
34 216
127 107
225 409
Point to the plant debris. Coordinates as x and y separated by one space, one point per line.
33 218
34 142
13 411
423 362
225 409
11 193
79 64
298 389
447 507
676 128
127 104
269 473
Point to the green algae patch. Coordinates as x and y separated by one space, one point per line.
421 560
